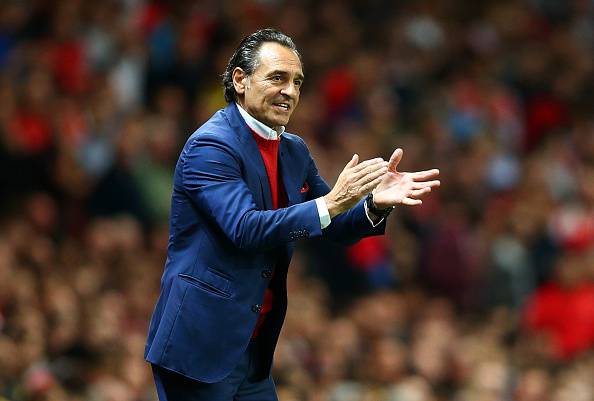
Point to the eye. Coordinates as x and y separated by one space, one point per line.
298 83
276 78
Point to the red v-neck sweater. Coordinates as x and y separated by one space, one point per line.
269 151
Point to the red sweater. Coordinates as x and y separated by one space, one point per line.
269 151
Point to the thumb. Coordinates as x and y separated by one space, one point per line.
395 159
353 162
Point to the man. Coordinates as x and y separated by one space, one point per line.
244 191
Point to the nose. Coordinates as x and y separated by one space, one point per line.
290 89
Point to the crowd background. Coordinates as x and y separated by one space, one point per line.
484 293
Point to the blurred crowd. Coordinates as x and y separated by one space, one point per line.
483 293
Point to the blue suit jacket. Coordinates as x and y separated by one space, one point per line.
224 242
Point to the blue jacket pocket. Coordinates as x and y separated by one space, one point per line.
211 282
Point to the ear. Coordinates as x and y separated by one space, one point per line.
239 80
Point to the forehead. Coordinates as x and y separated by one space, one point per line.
276 57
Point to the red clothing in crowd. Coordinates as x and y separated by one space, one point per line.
566 314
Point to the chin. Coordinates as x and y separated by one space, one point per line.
283 121
279 119
278 122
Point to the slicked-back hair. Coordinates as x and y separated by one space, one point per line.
246 56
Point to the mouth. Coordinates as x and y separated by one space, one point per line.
284 107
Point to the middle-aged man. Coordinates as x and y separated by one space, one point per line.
244 191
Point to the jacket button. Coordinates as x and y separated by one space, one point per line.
256 308
266 273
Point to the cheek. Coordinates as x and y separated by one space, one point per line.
269 94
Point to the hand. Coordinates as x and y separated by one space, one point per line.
403 188
354 182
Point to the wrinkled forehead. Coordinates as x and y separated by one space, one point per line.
273 56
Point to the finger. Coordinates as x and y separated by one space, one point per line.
416 193
380 168
425 175
353 162
411 202
368 176
395 159
370 186
425 184
367 163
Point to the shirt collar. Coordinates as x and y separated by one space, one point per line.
260 128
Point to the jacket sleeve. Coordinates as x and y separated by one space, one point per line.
211 176
348 227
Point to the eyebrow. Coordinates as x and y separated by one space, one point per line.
281 72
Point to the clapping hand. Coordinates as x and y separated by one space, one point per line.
401 187
354 182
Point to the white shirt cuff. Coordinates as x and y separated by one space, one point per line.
369 218
323 212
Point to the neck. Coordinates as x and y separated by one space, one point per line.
259 127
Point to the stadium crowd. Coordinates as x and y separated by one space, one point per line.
483 293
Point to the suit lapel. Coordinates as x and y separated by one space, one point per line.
288 168
251 152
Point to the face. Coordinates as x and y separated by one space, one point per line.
271 93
